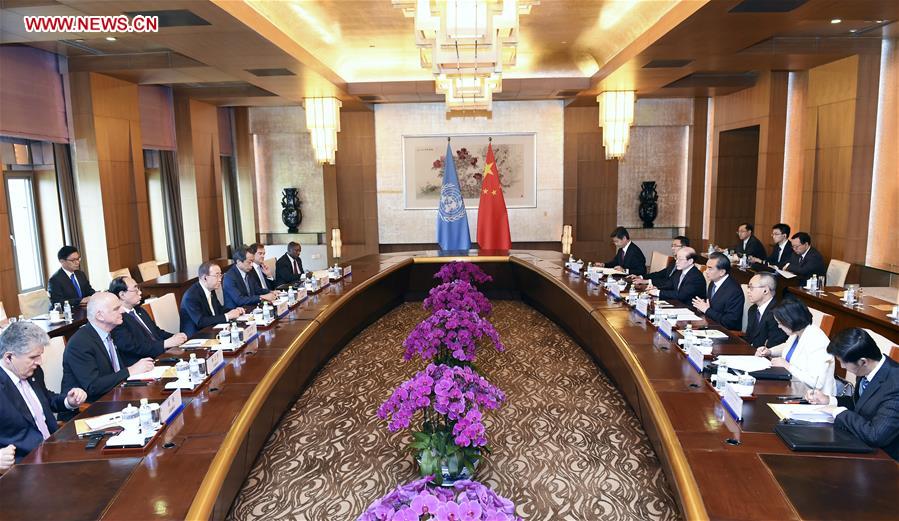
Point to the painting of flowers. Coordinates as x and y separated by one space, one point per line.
425 160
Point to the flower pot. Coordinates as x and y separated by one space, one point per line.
447 462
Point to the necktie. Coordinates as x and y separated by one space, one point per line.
137 317
246 283
862 385
621 257
780 253
792 348
36 410
712 291
113 357
758 317
77 287
681 281
261 277
294 264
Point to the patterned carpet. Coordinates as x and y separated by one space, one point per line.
566 446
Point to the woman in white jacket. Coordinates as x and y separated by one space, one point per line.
804 353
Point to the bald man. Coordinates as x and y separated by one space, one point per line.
91 360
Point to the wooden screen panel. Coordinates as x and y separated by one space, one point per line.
735 192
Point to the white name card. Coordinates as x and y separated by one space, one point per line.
170 406
642 306
665 327
281 308
214 361
301 294
615 290
694 356
347 270
249 331
732 401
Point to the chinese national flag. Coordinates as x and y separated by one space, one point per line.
493 220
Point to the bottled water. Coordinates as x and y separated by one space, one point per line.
194 368
235 334
182 370
721 376
146 416
67 311
130 419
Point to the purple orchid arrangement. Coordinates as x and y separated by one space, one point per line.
459 295
450 335
421 501
451 398
465 271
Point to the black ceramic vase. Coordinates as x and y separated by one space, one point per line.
649 207
291 214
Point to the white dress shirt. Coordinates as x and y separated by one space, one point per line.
208 299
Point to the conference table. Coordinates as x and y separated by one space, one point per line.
717 468
873 313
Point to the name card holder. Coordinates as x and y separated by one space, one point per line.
694 356
642 307
281 309
171 407
732 402
214 362
615 291
666 329
249 333
347 271
302 295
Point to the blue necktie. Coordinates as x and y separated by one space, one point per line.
77 288
792 348
862 385
712 291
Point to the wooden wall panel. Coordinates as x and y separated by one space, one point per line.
590 184
246 173
696 173
355 184
735 196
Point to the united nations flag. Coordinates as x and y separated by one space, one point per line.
452 222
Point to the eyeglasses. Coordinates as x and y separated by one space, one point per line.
216 276
135 289
76 259
750 286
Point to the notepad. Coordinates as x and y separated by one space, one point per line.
785 274
747 363
98 423
161 371
806 412
709 333
199 342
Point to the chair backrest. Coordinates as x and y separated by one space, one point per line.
34 303
822 320
124 272
2 312
52 363
148 270
658 262
270 263
885 345
836 272
165 313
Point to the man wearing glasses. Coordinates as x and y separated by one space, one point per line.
200 305
761 328
782 251
69 283
138 336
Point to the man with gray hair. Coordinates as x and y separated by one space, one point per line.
91 360
27 407
761 328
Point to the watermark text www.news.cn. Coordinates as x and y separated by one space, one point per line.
92 24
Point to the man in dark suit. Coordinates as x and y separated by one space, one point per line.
761 328
782 251
138 336
27 406
749 244
69 283
91 359
873 408
687 282
725 302
262 277
659 278
200 306
237 283
806 261
289 267
629 256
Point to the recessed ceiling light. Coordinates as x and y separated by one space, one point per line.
80 40
853 30
111 38
836 21
563 43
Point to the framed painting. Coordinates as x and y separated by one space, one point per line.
424 162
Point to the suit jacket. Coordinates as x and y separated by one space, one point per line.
874 417
284 270
786 257
754 247
135 341
61 288
727 304
811 264
634 260
17 425
764 332
86 364
256 284
660 278
692 286
195 312
810 363
236 292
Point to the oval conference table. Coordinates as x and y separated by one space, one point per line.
717 468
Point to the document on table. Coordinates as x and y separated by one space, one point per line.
785 274
806 412
199 342
747 363
98 423
683 314
161 371
714 334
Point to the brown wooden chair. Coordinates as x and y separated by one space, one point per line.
822 320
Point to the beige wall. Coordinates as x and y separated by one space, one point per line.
284 158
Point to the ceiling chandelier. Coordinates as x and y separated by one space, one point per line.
616 115
466 44
323 122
